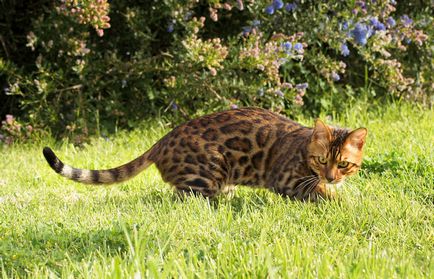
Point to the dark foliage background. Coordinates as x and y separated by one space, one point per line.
80 67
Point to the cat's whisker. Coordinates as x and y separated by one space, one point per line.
314 179
301 184
313 185
306 182
309 189
309 176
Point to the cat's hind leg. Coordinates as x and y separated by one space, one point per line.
197 185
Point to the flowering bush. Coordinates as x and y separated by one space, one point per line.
96 65
11 130
350 39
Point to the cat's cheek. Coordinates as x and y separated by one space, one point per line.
314 166
322 173
340 177
318 172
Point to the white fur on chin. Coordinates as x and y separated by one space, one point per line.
332 186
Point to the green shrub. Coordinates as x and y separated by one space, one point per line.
91 67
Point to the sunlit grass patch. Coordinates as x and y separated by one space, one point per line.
382 225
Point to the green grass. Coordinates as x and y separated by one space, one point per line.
382 227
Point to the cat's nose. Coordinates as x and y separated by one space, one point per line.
330 177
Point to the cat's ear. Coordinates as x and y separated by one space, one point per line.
321 131
357 138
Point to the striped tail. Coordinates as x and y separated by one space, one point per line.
108 176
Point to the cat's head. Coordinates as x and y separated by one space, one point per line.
335 153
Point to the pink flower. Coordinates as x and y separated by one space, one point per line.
240 5
227 6
213 71
9 119
286 85
213 14
298 100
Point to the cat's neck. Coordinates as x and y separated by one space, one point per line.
292 147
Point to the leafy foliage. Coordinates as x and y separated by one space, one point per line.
92 66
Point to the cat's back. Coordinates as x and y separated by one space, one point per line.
239 130
245 122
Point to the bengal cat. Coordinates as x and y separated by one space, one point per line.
246 146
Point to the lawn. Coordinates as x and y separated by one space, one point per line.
382 226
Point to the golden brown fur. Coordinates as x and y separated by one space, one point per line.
247 146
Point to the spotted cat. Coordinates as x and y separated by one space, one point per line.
246 146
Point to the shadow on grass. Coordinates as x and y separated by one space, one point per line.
253 199
51 249
53 245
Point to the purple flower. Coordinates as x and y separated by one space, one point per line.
361 4
233 106
374 21
278 4
406 20
302 85
290 7
361 33
298 47
279 93
170 27
380 26
256 23
393 2
335 76
246 30
287 46
344 50
188 15
345 25
174 106
391 22
377 24
269 10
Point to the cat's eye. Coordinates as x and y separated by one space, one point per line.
343 164
322 160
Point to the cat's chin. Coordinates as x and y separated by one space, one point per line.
334 186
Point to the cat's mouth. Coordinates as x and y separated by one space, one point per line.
334 185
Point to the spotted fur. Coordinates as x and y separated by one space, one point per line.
247 146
